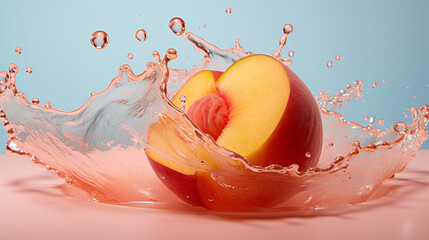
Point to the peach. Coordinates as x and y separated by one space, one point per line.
257 108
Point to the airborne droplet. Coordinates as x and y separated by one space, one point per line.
141 35
308 154
99 39
374 85
228 11
18 50
29 70
291 53
337 58
130 56
329 64
287 28
177 26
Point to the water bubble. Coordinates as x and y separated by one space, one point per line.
18 50
291 53
374 85
141 35
380 122
177 26
99 39
47 105
287 28
35 101
308 154
228 11
337 58
130 56
29 70
329 64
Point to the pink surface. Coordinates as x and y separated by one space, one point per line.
33 205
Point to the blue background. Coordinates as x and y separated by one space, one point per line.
378 39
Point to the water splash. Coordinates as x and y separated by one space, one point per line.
106 139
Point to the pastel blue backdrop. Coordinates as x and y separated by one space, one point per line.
379 40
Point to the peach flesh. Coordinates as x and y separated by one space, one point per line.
210 113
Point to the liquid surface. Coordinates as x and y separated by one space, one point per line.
104 140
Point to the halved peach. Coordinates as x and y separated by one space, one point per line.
257 108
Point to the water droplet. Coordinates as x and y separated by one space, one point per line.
47 105
374 85
202 162
228 11
13 68
363 100
18 50
141 35
99 39
29 70
287 28
182 99
331 144
150 64
210 199
291 53
308 154
337 58
205 26
130 56
380 122
35 101
408 87
365 119
383 81
329 64
92 93
171 53
177 26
